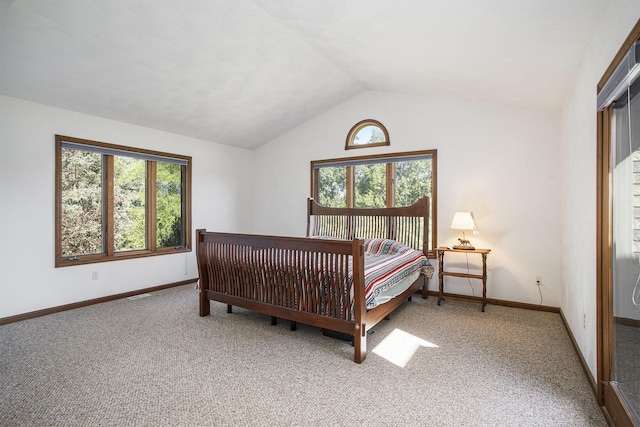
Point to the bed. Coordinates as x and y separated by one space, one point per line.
320 280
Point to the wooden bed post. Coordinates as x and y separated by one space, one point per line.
205 304
309 210
360 328
360 343
425 287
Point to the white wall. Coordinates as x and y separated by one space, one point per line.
501 162
578 165
221 188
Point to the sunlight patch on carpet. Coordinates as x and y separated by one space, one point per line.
399 347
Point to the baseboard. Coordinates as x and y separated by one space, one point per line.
583 362
65 307
469 298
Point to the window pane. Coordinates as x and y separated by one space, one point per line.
370 186
81 203
413 180
129 192
625 250
169 223
368 135
333 187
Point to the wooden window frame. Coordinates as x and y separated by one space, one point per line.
109 253
390 182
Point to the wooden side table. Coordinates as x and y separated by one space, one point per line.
441 272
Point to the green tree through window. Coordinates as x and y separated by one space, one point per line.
333 186
170 230
412 180
115 202
82 207
129 204
370 186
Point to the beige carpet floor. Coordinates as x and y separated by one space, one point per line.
154 361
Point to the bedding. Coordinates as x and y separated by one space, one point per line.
386 263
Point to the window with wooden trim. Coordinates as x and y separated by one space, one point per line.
386 180
367 133
115 202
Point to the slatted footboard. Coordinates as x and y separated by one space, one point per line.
302 280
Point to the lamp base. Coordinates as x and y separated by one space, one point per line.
464 244
464 247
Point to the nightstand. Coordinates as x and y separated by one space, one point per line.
441 272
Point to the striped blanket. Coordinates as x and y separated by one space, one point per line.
386 263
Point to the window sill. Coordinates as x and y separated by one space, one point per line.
93 259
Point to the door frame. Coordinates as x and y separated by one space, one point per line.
606 392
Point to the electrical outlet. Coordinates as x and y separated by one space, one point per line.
538 280
584 321
94 275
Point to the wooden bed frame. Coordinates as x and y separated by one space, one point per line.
306 279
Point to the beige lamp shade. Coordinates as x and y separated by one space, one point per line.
463 221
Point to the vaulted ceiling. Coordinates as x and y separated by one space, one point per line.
242 72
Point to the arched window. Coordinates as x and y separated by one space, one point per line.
367 133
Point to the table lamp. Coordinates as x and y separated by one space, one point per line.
464 221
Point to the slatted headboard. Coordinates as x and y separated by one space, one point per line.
408 225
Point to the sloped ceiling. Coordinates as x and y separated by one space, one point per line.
242 72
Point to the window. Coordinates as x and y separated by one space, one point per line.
386 180
367 133
115 202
